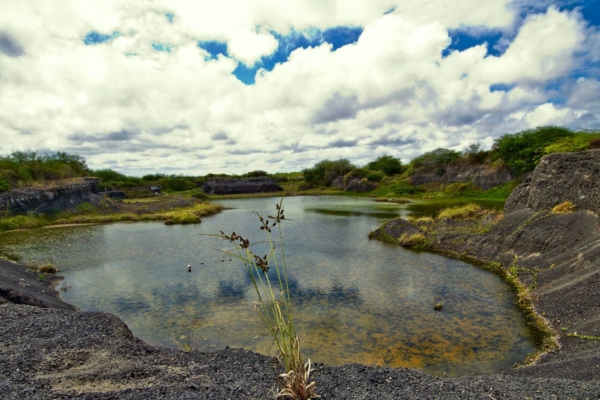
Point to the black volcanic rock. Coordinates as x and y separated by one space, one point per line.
560 177
240 186
58 198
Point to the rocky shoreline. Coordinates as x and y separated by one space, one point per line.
49 350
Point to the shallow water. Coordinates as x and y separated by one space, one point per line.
355 300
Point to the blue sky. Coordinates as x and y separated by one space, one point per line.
197 88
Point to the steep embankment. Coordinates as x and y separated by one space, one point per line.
556 255
480 175
56 198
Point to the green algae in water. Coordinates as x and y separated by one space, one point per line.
356 300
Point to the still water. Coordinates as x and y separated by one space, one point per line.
355 300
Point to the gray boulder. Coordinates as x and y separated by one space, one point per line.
560 177
240 186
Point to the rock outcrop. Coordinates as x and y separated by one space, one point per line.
240 186
480 175
560 177
57 198
360 185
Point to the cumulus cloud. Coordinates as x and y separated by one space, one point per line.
152 90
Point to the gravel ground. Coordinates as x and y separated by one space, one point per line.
61 354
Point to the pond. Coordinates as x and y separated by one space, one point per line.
355 300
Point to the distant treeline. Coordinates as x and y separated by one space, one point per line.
518 152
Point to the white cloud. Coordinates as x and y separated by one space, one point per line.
391 92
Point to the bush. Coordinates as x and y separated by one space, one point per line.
361 173
199 194
466 211
459 188
387 164
47 269
578 142
23 167
177 183
522 151
325 171
433 161
595 144
4 185
256 174
415 240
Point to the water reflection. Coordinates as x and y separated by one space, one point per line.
355 299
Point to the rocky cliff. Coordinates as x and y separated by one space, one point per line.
58 198
480 175
560 177
240 186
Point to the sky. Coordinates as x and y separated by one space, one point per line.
231 86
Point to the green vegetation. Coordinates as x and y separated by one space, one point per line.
517 152
433 161
565 207
417 241
275 305
389 165
22 168
460 212
324 172
577 142
520 152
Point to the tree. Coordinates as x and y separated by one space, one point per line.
324 172
522 151
436 160
387 164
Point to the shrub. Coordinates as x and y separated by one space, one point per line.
578 142
387 164
4 185
47 269
199 194
323 172
256 174
565 207
415 240
522 151
458 188
595 144
466 211
433 161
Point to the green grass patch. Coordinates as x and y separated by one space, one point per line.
416 241
460 212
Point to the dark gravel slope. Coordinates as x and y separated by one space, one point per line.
61 354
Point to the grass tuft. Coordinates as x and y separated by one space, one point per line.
565 207
415 240
460 212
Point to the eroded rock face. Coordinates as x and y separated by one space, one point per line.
560 177
239 186
480 175
53 199
360 185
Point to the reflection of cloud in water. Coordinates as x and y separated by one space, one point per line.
230 291
335 296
